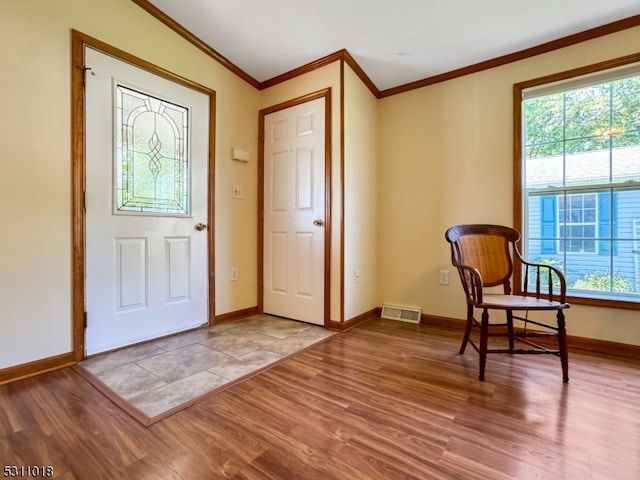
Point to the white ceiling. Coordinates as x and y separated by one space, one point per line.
394 41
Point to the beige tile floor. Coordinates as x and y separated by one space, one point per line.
161 375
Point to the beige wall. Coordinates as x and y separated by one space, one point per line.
361 192
446 158
325 77
35 156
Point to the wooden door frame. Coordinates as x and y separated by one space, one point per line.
78 43
326 94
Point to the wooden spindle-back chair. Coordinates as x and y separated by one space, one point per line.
484 256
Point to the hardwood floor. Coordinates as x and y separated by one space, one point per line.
387 400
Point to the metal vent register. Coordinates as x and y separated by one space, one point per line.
404 314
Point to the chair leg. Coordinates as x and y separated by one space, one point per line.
484 338
562 346
510 329
467 330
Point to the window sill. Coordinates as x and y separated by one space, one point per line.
612 301
625 302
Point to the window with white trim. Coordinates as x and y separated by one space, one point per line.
580 166
578 226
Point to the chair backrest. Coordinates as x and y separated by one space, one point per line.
488 248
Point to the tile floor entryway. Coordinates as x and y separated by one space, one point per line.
160 375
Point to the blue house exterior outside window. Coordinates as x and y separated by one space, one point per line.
549 224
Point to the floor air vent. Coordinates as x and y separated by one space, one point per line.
404 314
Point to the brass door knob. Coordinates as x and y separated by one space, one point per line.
318 222
201 226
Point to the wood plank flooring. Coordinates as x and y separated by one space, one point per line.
387 400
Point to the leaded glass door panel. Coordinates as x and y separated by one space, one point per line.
152 167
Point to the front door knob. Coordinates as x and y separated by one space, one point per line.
201 226
318 222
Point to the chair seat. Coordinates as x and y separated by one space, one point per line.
518 302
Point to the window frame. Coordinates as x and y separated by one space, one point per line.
519 218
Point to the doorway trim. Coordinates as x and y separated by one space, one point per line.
326 94
78 42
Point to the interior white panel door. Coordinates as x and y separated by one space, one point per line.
146 189
294 189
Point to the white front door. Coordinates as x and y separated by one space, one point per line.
146 190
294 212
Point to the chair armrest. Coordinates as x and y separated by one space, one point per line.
471 283
546 280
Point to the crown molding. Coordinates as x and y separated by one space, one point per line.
557 44
344 56
309 67
190 37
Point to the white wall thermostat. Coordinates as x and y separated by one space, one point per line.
239 155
